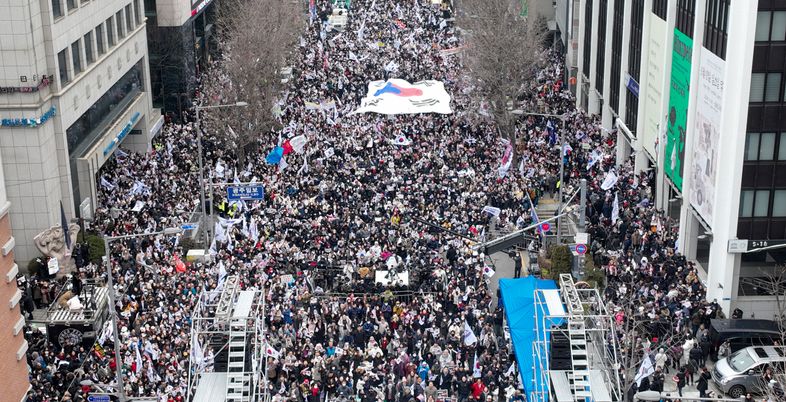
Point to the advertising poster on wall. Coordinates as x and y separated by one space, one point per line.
674 153
653 103
707 135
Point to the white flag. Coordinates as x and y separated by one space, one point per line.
645 369
615 210
271 352
402 140
396 96
609 181
138 359
282 164
197 354
298 143
488 271
469 335
493 211
476 372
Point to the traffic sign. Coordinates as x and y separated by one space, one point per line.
545 227
246 193
98 398
581 249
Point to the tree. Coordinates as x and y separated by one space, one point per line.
773 283
257 38
503 55
641 334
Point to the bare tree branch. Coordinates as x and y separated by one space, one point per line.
503 54
258 37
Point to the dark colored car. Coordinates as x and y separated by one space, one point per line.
742 333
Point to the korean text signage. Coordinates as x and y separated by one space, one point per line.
706 135
674 153
26 122
653 93
41 85
123 133
237 193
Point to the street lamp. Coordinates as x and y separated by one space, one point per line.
203 219
111 291
564 117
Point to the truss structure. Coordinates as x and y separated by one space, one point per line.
581 317
227 344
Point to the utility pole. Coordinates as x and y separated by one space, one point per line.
203 217
561 175
583 205
120 390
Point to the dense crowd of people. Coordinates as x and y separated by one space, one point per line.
353 204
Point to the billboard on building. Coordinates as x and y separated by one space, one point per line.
677 117
704 165
653 101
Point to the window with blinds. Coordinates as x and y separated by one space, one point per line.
585 68
601 60
765 87
716 25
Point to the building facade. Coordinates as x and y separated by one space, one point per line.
13 346
74 85
182 42
656 72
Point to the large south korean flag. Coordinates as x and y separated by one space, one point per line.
396 96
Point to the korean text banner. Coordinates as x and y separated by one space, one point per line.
654 121
678 108
396 96
706 136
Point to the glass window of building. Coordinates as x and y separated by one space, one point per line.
57 9
779 203
95 120
782 147
778 26
762 203
752 147
62 66
746 204
129 21
766 146
71 4
763 26
757 87
100 39
121 33
772 91
89 58
137 12
76 55
110 32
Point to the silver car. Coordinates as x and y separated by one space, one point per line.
742 372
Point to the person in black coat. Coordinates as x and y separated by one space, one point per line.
703 383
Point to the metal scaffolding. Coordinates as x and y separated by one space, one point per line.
578 319
227 345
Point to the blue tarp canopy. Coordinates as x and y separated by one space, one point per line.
518 298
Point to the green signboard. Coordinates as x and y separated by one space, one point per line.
678 107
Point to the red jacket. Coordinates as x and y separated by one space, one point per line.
477 389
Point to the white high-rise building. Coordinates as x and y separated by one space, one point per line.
695 90
74 86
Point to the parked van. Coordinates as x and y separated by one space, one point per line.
742 333
742 372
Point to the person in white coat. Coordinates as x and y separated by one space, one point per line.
660 361
686 347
